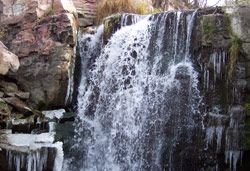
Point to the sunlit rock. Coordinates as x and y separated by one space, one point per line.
8 60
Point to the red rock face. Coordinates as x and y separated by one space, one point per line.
22 10
44 43
42 33
43 37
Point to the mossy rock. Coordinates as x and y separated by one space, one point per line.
248 69
247 106
207 23
19 116
216 30
42 106
111 25
4 109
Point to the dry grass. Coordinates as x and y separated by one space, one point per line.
108 7
144 7
2 31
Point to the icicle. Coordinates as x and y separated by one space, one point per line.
219 132
207 79
29 162
9 154
214 63
232 158
210 135
17 162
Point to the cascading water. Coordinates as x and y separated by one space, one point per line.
139 105
138 100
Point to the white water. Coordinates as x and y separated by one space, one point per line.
132 110
139 105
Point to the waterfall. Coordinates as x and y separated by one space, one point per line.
140 105
138 100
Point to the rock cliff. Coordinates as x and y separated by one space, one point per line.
42 34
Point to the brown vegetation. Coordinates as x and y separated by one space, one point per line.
108 7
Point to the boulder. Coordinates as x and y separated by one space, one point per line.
23 95
19 94
10 94
17 104
8 87
8 60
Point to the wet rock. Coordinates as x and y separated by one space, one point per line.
8 60
111 25
67 117
17 104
